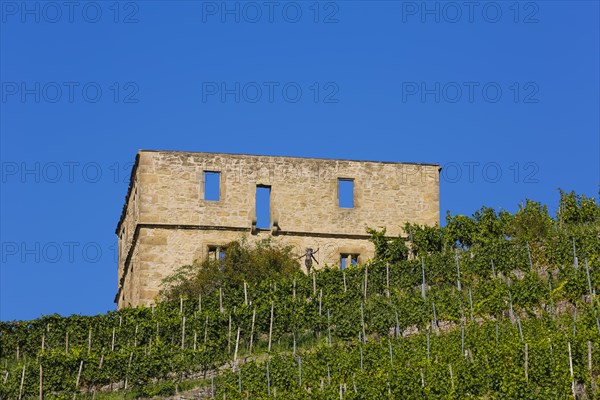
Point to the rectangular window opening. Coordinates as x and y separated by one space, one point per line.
212 185
347 260
345 193
263 207
216 252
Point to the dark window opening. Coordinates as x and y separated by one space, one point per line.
216 252
263 207
212 185
347 260
346 193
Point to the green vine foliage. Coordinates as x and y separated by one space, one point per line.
399 326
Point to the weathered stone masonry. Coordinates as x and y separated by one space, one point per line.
166 222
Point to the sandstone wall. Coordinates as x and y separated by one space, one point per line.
167 223
161 251
303 192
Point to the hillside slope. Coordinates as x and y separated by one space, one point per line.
490 306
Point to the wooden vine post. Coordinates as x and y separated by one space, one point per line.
221 300
458 285
571 370
237 343
89 349
22 382
423 285
79 375
112 346
362 317
366 281
183 333
229 336
41 395
387 279
589 351
471 304
271 327
252 330
526 362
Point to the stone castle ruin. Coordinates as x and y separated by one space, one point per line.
186 206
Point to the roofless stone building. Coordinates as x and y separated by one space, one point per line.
184 206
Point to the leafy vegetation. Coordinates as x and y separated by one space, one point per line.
496 305
239 263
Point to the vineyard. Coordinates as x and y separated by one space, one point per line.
491 306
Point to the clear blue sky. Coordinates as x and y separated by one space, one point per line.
500 88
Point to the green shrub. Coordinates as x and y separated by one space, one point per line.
242 262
